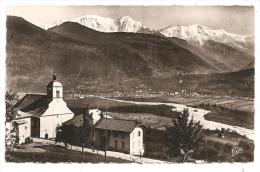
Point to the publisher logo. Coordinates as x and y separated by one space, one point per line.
236 151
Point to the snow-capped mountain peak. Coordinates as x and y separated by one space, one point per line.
95 22
128 24
197 35
106 24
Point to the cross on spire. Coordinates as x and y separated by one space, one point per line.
54 76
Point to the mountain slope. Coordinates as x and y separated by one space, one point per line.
83 56
219 65
227 52
160 54
232 83
33 54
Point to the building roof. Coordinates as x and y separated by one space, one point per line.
117 125
20 122
54 84
77 120
21 114
34 104
28 99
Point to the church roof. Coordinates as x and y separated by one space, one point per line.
54 84
117 125
21 114
34 104
20 121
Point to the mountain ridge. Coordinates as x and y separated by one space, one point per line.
198 35
89 61
105 24
33 54
108 20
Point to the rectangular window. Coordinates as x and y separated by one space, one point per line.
115 145
139 133
57 94
123 135
123 145
115 134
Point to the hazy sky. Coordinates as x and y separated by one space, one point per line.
234 19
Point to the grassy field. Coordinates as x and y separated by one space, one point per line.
228 116
231 103
228 102
211 149
36 152
226 110
93 102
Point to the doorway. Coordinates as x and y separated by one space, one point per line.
115 145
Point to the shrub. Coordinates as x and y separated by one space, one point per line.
28 140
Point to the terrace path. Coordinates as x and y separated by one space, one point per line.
120 155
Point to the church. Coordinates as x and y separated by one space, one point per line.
41 114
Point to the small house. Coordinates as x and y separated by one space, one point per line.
23 129
121 136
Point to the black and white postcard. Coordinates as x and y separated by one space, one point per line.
129 84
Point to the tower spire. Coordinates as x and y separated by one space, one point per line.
54 76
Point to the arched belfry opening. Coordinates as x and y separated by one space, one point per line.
54 89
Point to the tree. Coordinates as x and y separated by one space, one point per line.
86 131
65 134
184 135
81 134
11 99
11 137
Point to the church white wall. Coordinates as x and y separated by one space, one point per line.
24 130
55 89
136 142
48 124
57 106
54 116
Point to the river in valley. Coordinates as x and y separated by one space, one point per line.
197 114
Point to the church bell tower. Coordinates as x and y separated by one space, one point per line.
54 89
